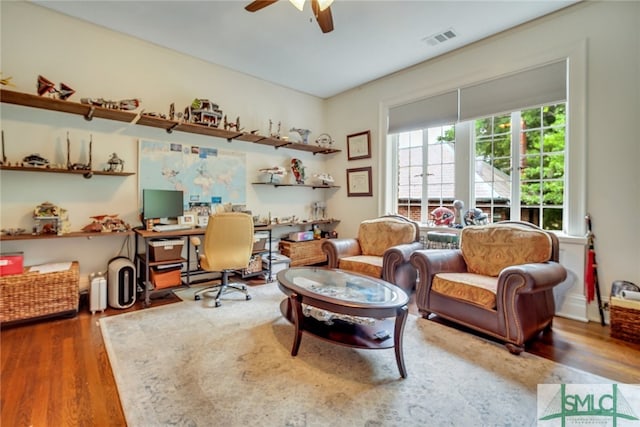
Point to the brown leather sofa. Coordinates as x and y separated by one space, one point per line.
500 282
382 249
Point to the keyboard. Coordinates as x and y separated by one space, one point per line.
171 227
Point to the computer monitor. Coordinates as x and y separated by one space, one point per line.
162 204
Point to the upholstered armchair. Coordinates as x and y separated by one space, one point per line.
382 249
500 282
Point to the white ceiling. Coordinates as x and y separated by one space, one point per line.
285 46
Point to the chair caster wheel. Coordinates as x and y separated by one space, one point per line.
197 298
248 297
218 303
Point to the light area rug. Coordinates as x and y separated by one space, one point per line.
190 364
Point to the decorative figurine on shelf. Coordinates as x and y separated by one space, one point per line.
298 170
303 135
12 231
115 164
6 81
319 210
129 104
106 224
36 160
275 173
47 86
442 216
80 166
323 178
231 125
48 219
458 207
125 104
4 161
203 112
275 135
475 217
46 210
324 141
153 114
64 225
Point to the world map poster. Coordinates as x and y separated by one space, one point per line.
204 174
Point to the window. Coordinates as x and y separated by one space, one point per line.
492 167
517 167
522 151
510 136
435 185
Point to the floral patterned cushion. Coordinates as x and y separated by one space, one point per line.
474 288
378 235
364 264
488 249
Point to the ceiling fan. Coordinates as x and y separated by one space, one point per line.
321 10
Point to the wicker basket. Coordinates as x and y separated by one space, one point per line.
32 295
255 265
625 319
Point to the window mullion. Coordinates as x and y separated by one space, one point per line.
424 199
516 162
395 144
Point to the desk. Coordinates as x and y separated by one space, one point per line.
144 264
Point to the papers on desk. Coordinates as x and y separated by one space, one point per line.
50 267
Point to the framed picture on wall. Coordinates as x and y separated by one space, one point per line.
359 182
359 145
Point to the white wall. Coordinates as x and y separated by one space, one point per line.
612 36
100 63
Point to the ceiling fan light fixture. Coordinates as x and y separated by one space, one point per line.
323 4
299 4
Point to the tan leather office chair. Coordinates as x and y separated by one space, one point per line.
228 244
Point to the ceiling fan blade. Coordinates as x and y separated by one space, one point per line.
324 17
254 6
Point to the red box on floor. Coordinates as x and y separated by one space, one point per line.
11 263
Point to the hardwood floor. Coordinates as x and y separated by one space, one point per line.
57 373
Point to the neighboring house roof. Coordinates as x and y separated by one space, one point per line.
442 172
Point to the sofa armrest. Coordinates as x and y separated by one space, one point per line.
401 253
531 278
340 248
397 267
524 299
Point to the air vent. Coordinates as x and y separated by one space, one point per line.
441 37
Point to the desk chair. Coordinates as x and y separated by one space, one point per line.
228 243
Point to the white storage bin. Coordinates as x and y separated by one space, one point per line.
278 263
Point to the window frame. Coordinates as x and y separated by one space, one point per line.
576 139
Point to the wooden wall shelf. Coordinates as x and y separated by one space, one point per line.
45 103
57 170
5 237
296 224
296 185
90 111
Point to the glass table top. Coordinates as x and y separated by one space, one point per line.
343 286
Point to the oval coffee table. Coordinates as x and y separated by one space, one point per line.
344 308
